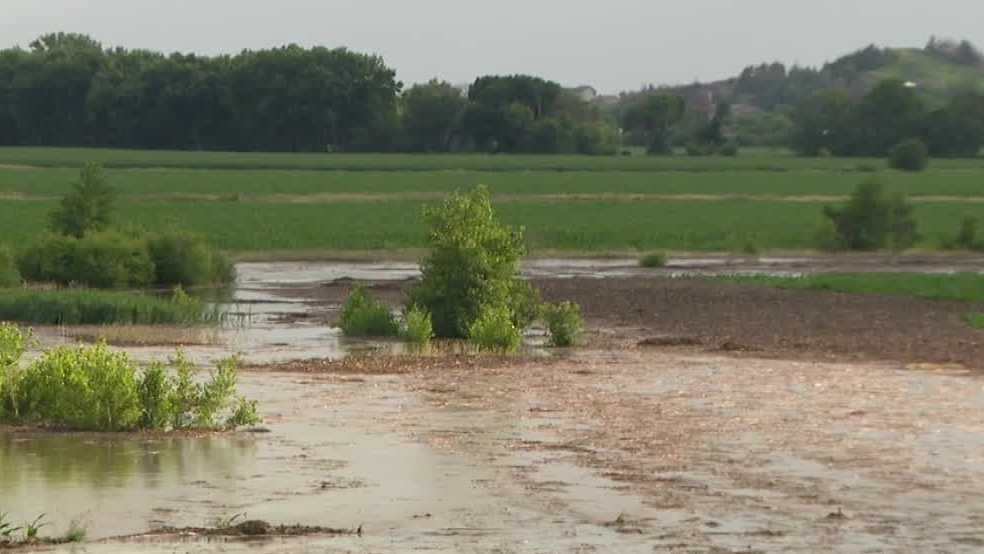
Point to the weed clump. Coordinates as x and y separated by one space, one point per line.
494 331
473 267
654 260
88 208
564 323
96 389
418 327
871 219
365 316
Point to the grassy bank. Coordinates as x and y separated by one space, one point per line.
968 287
89 307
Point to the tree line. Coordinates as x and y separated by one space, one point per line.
67 90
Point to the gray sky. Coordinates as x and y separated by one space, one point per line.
611 44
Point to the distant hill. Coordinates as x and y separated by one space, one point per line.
940 69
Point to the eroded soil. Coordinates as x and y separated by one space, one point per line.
755 421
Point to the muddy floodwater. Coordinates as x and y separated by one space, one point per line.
593 450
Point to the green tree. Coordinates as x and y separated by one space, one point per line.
823 122
652 118
873 219
89 207
431 114
473 266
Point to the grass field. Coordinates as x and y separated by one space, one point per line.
967 287
319 202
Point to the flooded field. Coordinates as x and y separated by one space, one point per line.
611 447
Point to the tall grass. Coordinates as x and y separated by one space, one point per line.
92 307
976 320
967 287
9 275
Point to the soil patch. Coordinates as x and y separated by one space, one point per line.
782 323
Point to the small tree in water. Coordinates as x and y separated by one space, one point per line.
473 266
89 207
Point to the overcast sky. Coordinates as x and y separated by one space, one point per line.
611 44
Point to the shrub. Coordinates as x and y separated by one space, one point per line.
419 328
95 389
654 259
909 155
186 259
473 263
564 323
873 219
88 208
99 260
495 331
87 389
13 343
966 238
365 316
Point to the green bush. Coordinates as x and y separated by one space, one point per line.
473 263
94 307
365 316
494 331
873 219
419 328
86 389
99 260
653 260
909 155
88 208
186 259
564 323
95 389
9 275
966 238
13 343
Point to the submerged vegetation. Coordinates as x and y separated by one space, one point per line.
92 388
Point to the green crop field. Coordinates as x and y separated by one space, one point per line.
330 202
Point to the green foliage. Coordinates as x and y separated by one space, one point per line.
32 529
966 287
494 331
92 307
186 259
89 389
564 323
13 343
651 119
873 219
473 265
653 260
976 320
431 115
418 327
9 275
89 207
966 238
112 259
95 389
100 260
909 155
7 529
365 316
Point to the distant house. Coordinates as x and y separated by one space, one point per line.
585 93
